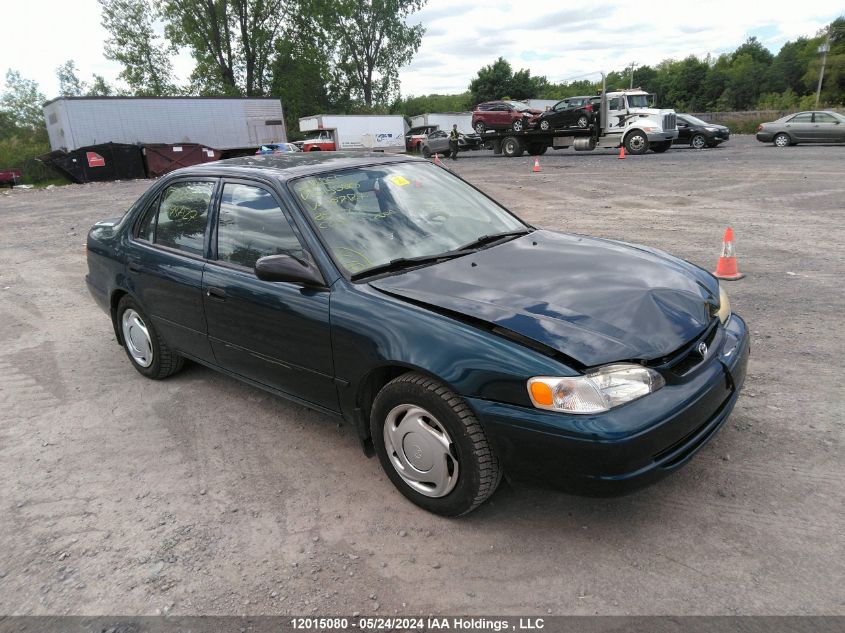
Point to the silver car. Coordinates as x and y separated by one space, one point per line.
438 143
804 127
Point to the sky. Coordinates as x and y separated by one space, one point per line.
562 41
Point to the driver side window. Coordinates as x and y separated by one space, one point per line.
251 225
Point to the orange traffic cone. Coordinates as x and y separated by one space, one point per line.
726 268
622 153
436 159
536 167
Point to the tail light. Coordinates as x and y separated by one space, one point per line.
588 107
760 128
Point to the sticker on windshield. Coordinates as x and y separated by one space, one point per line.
400 180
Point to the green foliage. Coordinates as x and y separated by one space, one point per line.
412 106
499 81
368 43
134 43
21 102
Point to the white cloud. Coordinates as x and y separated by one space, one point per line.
540 35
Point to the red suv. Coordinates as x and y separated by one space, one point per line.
501 115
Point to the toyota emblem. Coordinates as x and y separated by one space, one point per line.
702 349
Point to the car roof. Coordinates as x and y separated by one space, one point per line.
287 166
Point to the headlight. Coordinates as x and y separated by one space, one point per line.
598 391
724 305
712 129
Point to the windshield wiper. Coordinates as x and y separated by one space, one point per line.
493 237
402 263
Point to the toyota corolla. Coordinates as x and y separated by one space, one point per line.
460 341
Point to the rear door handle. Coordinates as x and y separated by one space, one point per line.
216 294
134 267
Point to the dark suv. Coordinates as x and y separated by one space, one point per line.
576 112
502 115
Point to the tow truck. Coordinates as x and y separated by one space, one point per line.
625 119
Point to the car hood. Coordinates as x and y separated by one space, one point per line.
594 300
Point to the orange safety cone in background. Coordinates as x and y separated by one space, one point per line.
436 159
622 153
726 268
536 167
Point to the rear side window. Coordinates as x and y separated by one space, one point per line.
821 117
182 215
251 226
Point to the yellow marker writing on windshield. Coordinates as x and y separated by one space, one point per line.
400 180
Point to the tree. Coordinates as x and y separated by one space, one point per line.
300 71
69 84
22 101
371 42
492 82
231 40
134 43
99 87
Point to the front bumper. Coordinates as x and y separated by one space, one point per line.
658 137
631 446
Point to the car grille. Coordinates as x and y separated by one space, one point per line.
683 361
669 122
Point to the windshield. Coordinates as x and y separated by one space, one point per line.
639 101
695 121
519 106
373 215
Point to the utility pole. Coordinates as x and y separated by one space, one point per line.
633 64
823 49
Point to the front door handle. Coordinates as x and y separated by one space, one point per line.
216 294
134 267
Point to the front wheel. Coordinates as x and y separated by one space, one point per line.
432 447
782 140
545 125
426 152
583 122
636 143
149 353
698 141
518 125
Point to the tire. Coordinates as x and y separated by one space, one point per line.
545 125
512 147
659 148
535 149
636 143
782 140
698 141
583 122
518 125
479 127
147 351
422 415
426 152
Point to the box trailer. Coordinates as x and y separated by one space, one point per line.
444 121
327 132
219 122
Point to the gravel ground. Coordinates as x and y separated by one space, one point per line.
201 495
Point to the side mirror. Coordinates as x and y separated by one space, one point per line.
288 268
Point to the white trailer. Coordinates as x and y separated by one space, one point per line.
354 132
218 122
444 121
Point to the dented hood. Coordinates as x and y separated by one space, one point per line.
596 301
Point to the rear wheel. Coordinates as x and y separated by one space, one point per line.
583 121
698 141
480 128
636 142
782 140
432 447
149 353
512 147
545 125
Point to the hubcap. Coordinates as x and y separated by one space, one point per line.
420 450
582 122
137 338
544 125
637 142
781 141
698 142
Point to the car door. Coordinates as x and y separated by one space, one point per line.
826 128
165 262
684 134
503 114
275 333
800 126
557 114
438 142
